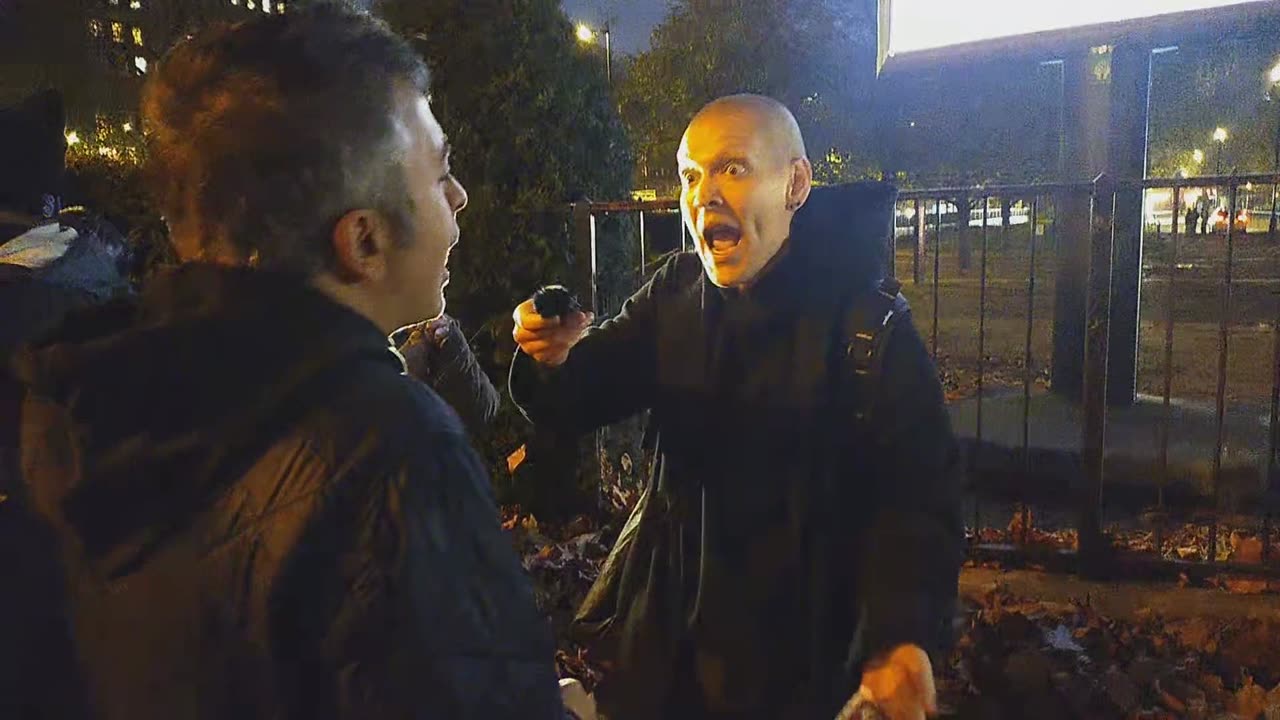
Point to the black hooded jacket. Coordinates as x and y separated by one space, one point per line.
780 542
260 516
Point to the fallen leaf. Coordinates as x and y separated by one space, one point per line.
1249 701
1245 586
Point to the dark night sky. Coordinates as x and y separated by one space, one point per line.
632 20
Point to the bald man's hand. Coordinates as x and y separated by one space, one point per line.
900 684
548 340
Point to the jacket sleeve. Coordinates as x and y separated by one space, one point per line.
610 373
436 618
913 544
454 373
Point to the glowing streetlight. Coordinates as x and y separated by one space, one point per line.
588 36
1220 135
1274 75
72 137
1197 155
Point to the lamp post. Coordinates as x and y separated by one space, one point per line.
588 36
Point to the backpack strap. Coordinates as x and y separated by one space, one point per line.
868 325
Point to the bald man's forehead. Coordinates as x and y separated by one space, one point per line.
730 131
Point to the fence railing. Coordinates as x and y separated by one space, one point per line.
1086 246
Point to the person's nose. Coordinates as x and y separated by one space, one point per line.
459 199
706 194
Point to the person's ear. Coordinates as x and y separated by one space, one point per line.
800 183
361 243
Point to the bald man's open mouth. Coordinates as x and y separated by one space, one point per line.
721 237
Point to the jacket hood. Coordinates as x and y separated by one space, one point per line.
838 245
161 397
842 233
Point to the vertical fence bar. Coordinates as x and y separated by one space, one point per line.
982 340
982 330
937 255
917 253
1273 436
1272 492
1166 418
1224 334
1271 223
584 232
891 246
1028 375
643 251
1093 546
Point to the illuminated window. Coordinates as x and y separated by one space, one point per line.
137 36
113 3
266 6
95 28
117 32
280 6
140 63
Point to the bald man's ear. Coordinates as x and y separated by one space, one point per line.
800 184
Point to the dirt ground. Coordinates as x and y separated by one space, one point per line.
1014 657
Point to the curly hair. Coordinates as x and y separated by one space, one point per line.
262 134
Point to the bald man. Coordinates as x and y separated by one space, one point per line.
791 550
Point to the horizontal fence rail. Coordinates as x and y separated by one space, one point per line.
1085 246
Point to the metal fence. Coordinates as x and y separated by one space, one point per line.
1039 231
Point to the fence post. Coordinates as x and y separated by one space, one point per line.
584 255
964 242
917 255
1094 548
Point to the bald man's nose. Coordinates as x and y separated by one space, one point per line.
707 193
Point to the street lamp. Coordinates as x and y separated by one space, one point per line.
1220 137
587 35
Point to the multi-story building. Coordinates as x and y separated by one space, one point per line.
98 52
127 38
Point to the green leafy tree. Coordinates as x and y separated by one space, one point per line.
816 56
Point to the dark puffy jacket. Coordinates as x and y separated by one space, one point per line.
780 542
260 516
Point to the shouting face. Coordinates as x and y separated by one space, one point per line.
743 175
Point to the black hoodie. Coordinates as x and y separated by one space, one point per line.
260 516
777 545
